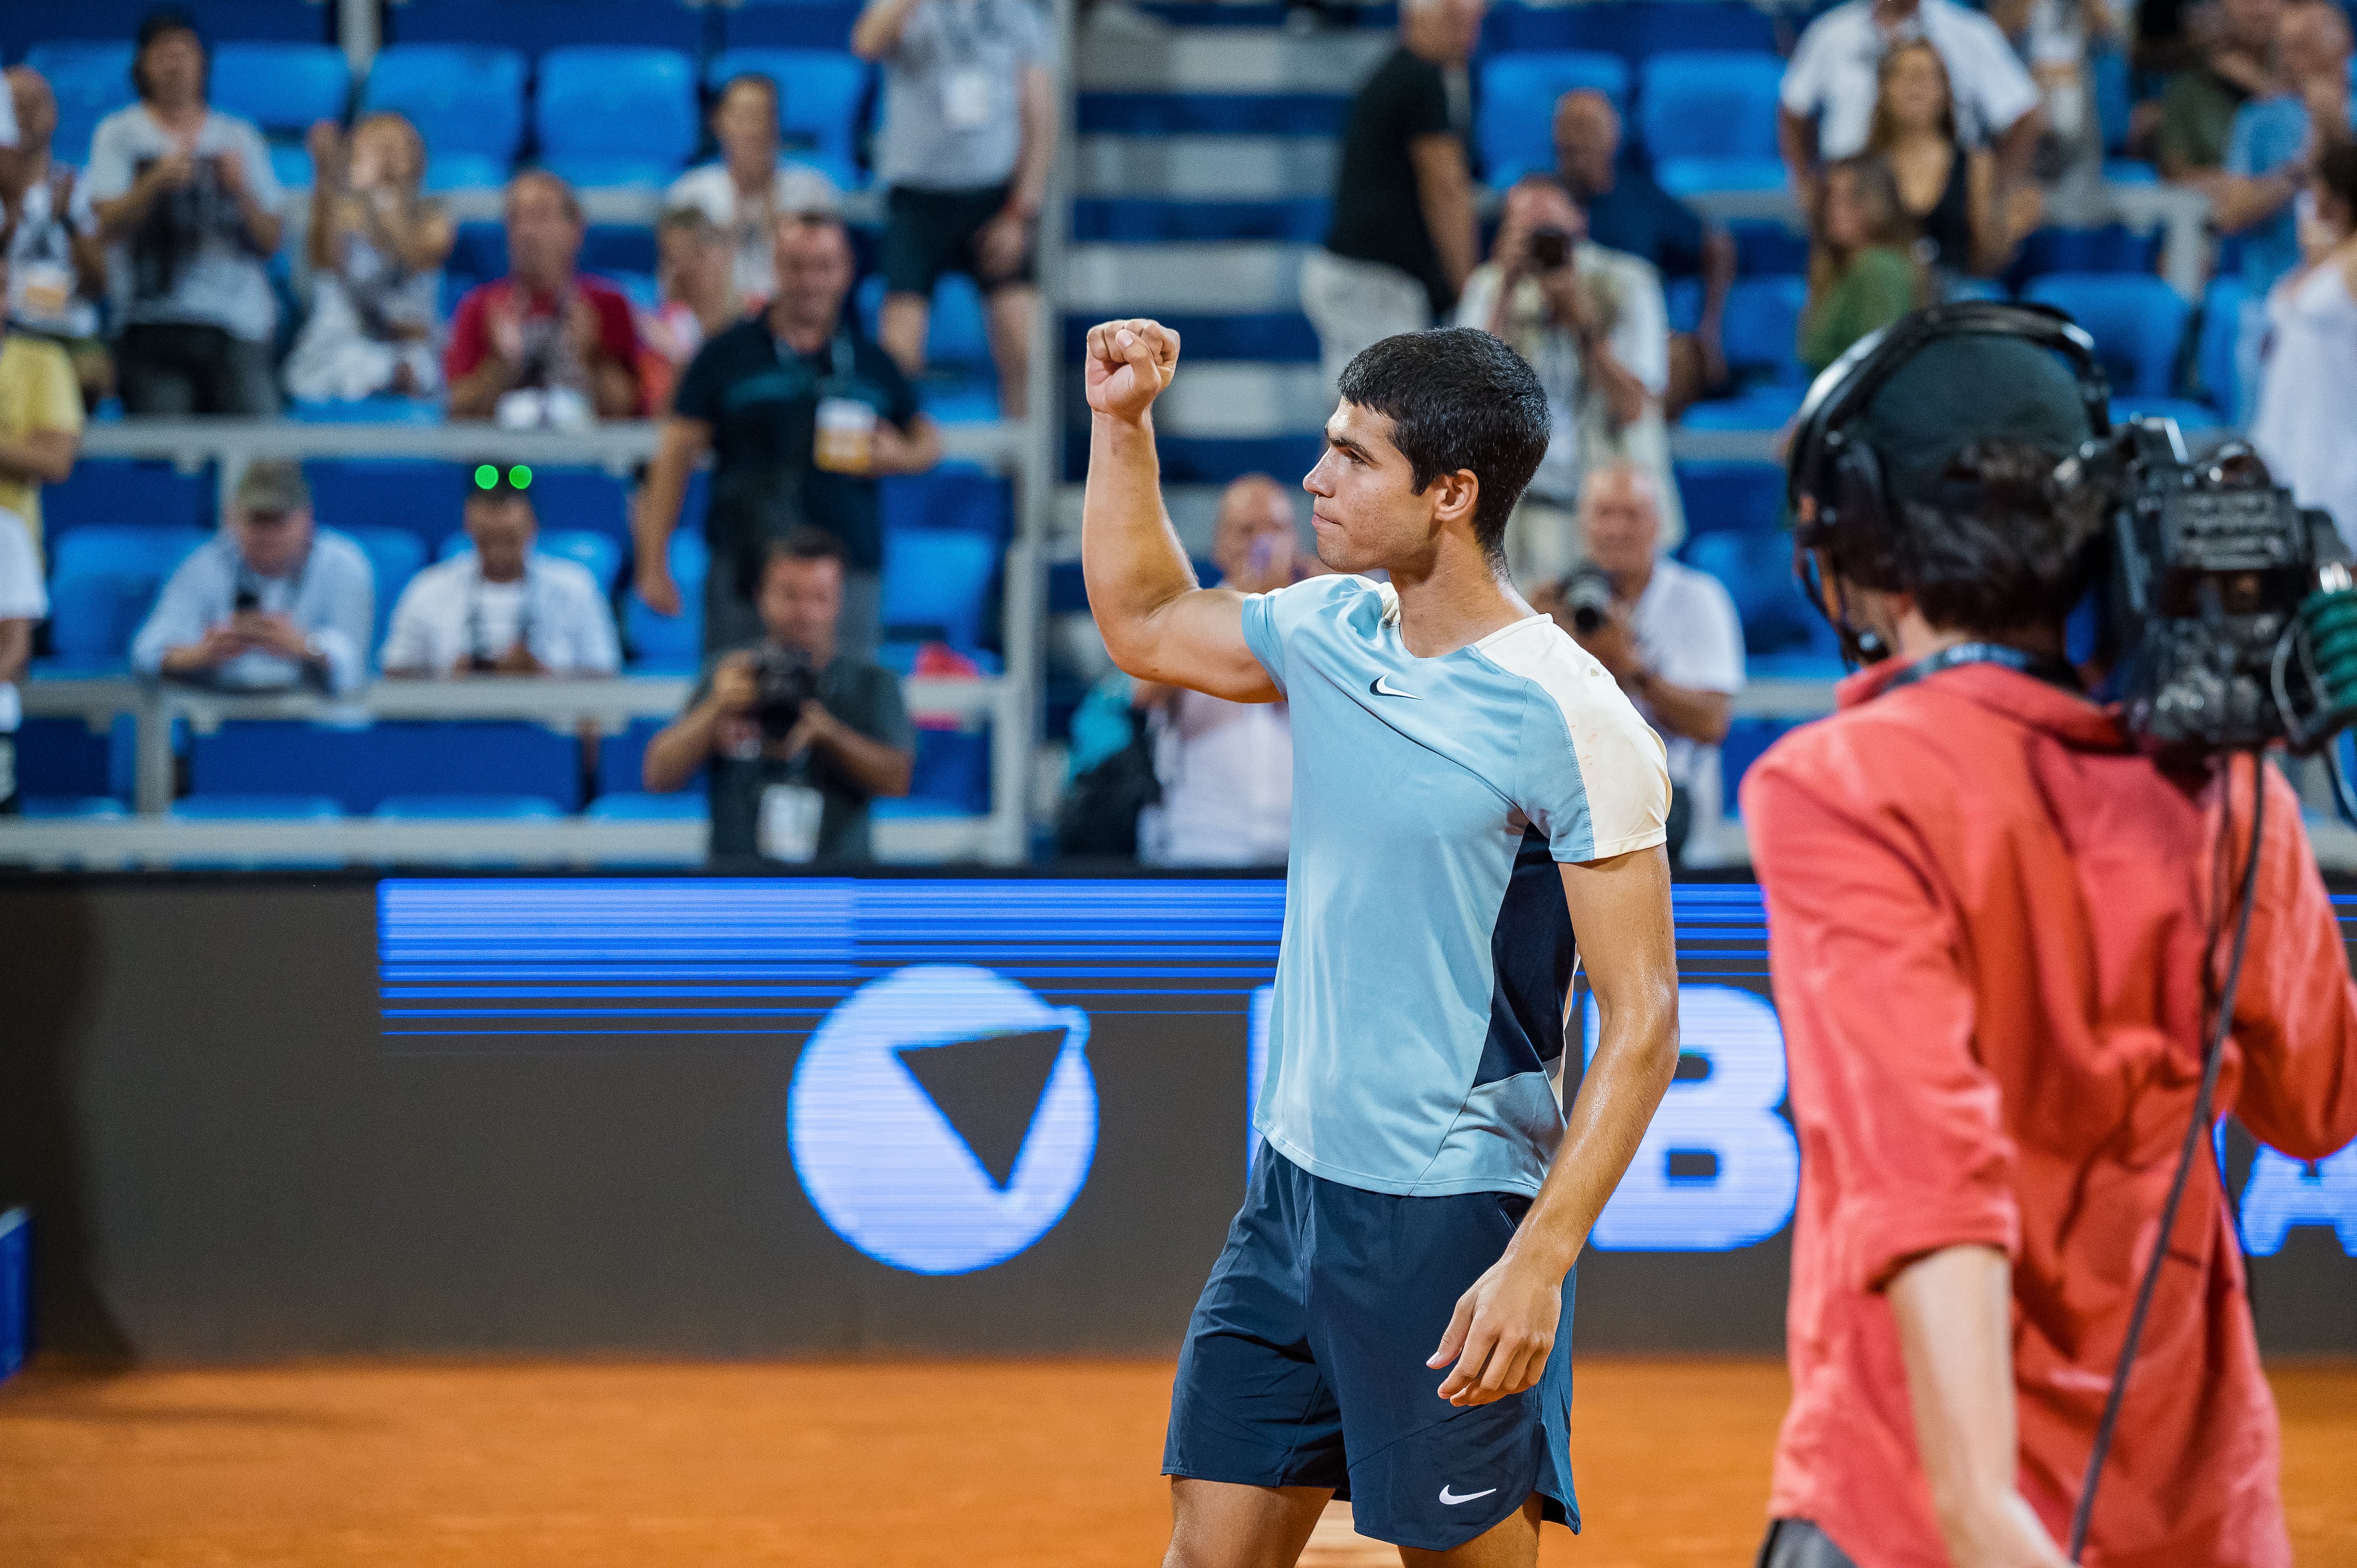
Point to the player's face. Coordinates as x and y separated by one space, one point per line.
1364 508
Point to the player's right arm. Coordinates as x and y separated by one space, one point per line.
1156 623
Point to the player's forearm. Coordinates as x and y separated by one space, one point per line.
1130 555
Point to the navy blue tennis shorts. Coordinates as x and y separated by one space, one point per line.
1304 1363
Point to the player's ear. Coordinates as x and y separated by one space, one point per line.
1453 497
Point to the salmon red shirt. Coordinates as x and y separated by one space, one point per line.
1987 917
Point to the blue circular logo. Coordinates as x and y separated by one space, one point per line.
944 1118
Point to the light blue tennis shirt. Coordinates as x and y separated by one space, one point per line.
1415 1039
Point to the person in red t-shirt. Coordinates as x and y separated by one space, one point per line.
1988 917
545 327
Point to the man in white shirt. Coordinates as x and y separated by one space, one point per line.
1832 82
1670 635
23 602
752 186
501 608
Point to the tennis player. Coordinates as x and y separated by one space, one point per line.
1388 1321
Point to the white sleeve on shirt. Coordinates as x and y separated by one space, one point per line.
1808 75
1992 75
698 189
22 597
409 641
590 641
109 172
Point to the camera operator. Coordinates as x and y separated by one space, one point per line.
1992 925
1668 633
798 735
1591 322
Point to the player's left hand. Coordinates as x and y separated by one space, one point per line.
1500 1334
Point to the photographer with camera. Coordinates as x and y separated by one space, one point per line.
798 735
1592 323
2024 947
1668 633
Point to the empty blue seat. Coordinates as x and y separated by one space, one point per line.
968 402
2137 323
1731 496
360 767
1692 176
952 771
937 584
1763 408
86 808
688 805
2214 356
670 644
957 496
2107 248
466 807
104 580
819 95
1514 125
611 250
423 496
600 553
64 757
396 556
1763 323
608 115
1605 27
581 498
126 489
1757 571
2130 171
92 79
1709 104
466 100
241 808
478 250
283 88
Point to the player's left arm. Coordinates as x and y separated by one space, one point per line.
1506 1325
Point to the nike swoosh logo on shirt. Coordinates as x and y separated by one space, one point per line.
1382 688
1450 1499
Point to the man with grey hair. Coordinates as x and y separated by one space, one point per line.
1669 635
268 603
548 344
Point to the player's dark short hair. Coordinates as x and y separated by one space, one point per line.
1458 398
804 544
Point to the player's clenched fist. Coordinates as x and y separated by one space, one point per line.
1129 364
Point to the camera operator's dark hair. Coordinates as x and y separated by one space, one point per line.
804 543
2005 546
1458 398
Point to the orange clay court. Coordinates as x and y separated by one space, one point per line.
997 1464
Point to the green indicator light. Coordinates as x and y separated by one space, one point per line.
487 478
520 477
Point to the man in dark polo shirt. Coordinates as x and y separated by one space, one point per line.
802 412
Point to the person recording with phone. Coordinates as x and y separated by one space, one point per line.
2024 945
1592 323
798 734
268 603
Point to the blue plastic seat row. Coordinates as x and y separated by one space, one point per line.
1708 117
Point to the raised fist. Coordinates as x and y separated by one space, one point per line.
1129 364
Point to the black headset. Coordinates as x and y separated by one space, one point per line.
1829 465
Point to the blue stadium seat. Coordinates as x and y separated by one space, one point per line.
241 808
84 807
536 24
103 580
821 93
360 767
2109 248
381 409
1709 104
465 807
2137 323
2130 171
1763 408
952 771
1681 298
421 495
2114 95
65 758
1763 323
92 79
937 584
612 249
690 804
283 88
2215 355
582 498
466 100
1658 27
127 491
1747 740
1514 123
670 644
396 556
600 553
1757 572
1604 26
1731 496
608 115
1692 176
957 496
964 402
1764 247
479 251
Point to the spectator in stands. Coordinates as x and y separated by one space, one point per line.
57 267
1831 87
1226 769
268 603
1590 321
698 299
502 609
2198 109
1946 189
1863 272
802 413
40 418
752 186
23 602
968 142
1671 639
2303 428
1627 212
548 344
1404 239
799 734
190 210
377 245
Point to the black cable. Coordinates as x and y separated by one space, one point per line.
2194 1139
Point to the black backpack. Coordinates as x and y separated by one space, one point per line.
1099 817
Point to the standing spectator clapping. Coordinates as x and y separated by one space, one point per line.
2303 426
377 247
752 186
57 268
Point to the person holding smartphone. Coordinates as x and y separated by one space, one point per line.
1593 324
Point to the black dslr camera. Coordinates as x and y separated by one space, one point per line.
1588 598
784 682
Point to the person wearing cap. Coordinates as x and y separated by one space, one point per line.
269 603
189 212
501 608
1988 917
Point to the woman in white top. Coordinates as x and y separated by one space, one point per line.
377 247
2307 391
751 186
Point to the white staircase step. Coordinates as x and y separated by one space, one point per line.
1232 60
1206 168
1222 277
